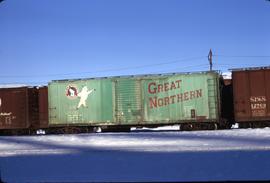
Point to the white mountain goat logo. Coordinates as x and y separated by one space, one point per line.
72 93
83 95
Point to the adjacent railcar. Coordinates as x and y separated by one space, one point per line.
189 99
14 108
19 110
41 109
251 92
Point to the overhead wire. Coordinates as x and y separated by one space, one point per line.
133 67
176 70
243 56
104 70
248 60
180 69
232 64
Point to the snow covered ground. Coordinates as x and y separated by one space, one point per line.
238 154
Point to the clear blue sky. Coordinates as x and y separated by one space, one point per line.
45 40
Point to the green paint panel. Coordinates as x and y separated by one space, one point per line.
128 101
81 102
180 98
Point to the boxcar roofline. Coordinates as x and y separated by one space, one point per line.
137 76
249 68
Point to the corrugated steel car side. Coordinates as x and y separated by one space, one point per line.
136 100
43 107
38 107
14 111
181 98
33 116
251 90
81 102
168 99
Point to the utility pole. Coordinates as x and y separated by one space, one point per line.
210 59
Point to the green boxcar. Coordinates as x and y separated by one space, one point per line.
136 100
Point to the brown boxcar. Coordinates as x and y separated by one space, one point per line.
43 107
14 108
251 90
38 107
23 109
